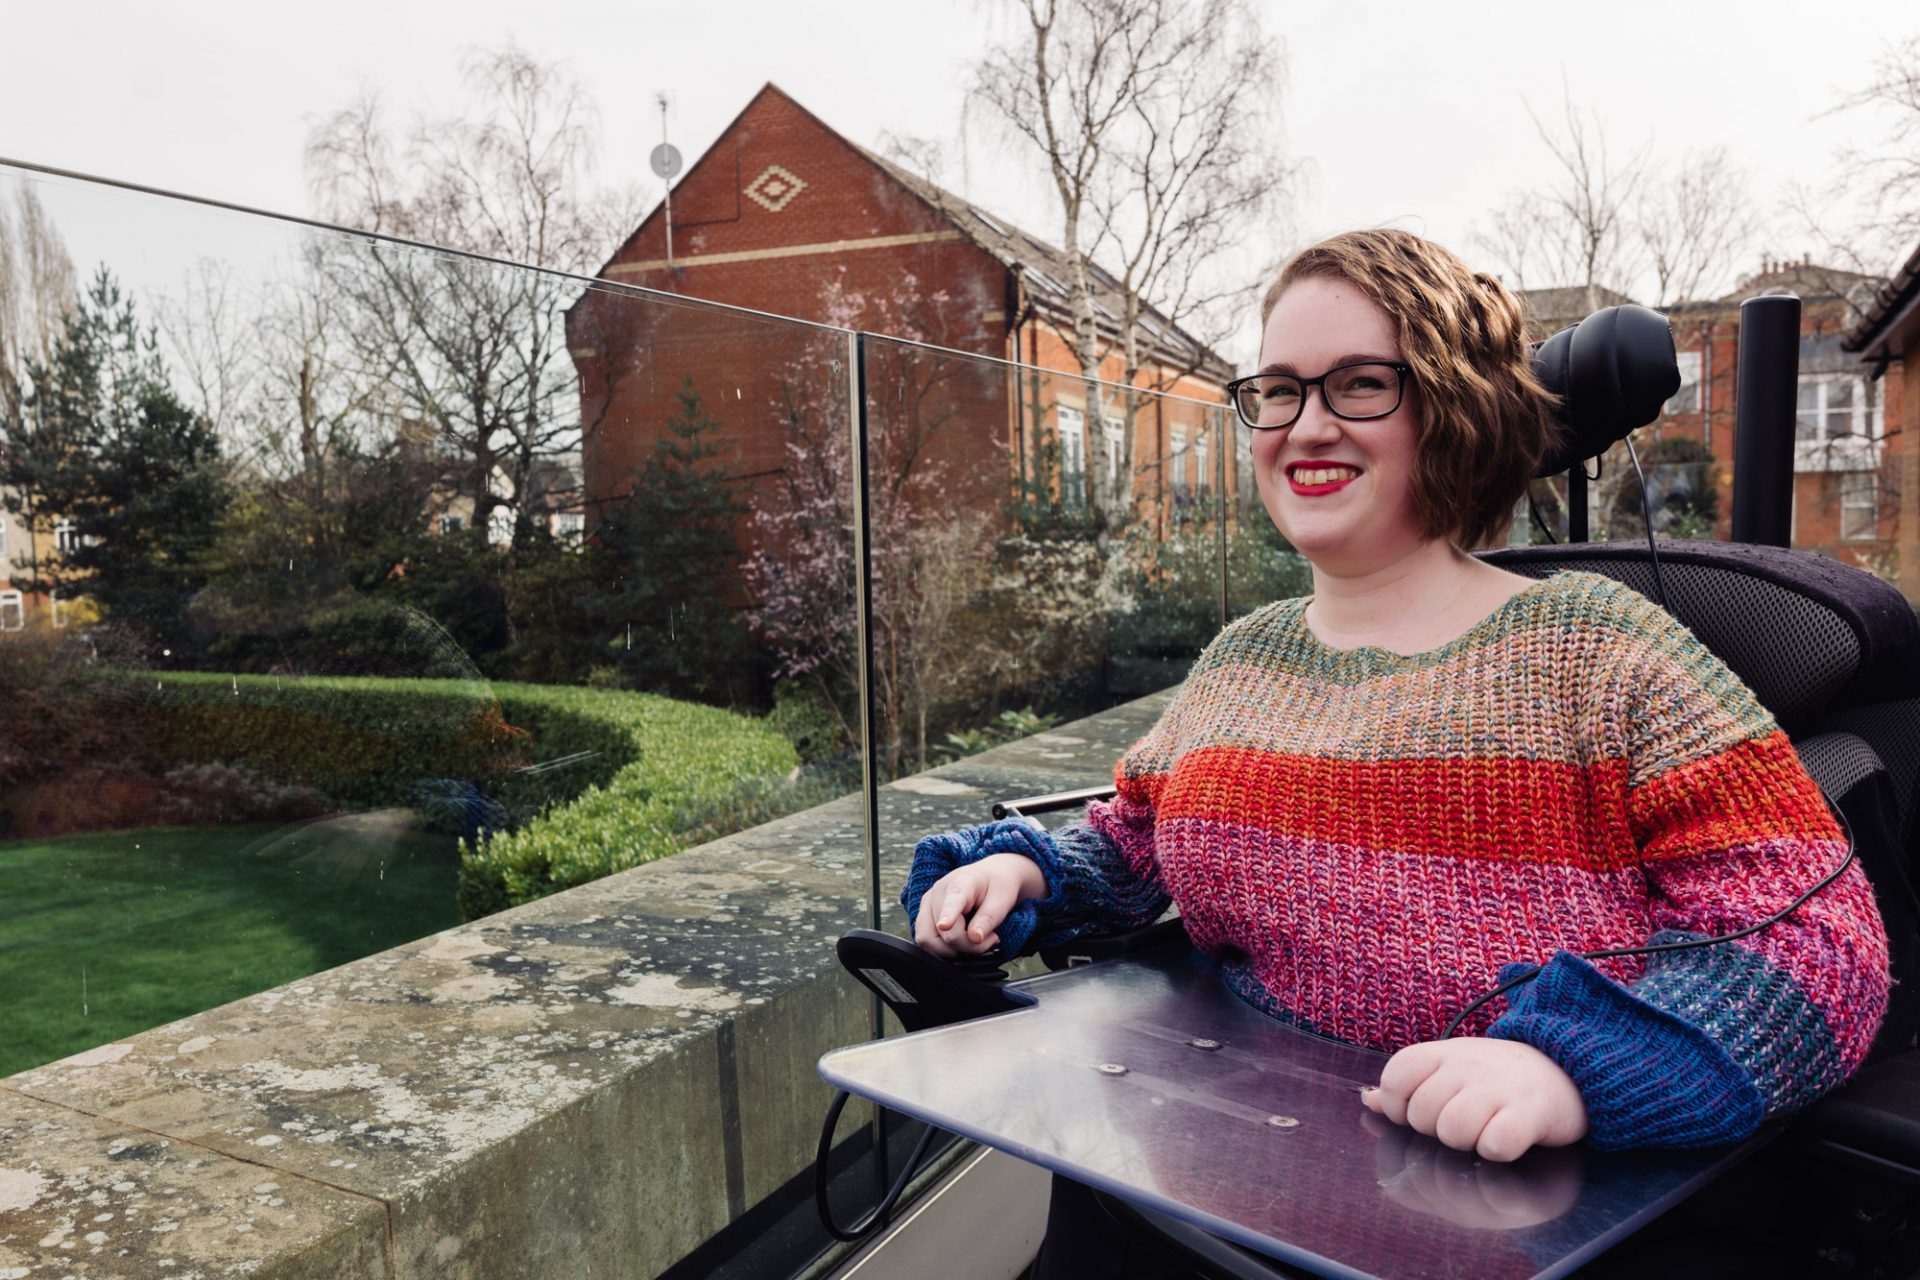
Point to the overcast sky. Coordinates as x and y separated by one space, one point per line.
1411 114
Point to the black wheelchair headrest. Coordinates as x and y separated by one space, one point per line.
1612 372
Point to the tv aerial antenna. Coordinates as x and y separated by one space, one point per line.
666 164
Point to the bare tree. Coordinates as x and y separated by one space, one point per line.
1154 121
475 351
1866 215
1695 223
1577 230
37 289
212 343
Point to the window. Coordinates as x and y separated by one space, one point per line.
59 609
450 524
1687 398
1178 464
570 525
1860 505
13 611
1115 438
1073 457
1205 480
1835 423
66 536
500 526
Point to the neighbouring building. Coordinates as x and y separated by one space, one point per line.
1886 336
1849 462
784 217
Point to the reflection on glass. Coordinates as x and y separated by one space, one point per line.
352 589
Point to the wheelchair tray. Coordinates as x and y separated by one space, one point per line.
1148 1079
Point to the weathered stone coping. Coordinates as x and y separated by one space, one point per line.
589 1085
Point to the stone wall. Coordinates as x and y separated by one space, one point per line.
589 1085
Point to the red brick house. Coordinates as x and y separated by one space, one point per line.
1886 337
784 217
1850 455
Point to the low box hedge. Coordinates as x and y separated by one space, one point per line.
637 777
694 773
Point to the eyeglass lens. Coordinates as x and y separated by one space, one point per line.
1355 391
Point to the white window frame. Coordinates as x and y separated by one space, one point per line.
1853 485
1073 455
1687 398
1856 450
500 523
66 535
16 603
1201 449
570 525
58 608
449 523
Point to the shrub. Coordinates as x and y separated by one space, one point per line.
695 773
205 794
363 742
807 718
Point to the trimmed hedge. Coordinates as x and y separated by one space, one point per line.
364 742
696 772
652 775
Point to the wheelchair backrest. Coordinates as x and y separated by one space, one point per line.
1830 650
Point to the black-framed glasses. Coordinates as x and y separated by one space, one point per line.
1358 391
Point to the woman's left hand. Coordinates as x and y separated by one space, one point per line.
1497 1097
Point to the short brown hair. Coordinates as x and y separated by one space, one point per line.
1487 421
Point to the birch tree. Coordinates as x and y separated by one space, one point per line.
1155 123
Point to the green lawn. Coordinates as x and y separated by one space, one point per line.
105 935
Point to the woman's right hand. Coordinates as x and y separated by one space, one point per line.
962 911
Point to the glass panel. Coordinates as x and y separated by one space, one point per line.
1839 408
1262 565
401 588
1859 505
1807 413
1027 628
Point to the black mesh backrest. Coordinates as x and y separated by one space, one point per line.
1811 637
1824 646
1834 653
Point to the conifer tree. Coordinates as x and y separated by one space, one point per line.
671 543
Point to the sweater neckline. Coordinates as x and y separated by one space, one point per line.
1376 655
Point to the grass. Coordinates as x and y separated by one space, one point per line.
105 935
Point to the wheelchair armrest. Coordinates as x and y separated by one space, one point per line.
1112 946
1874 1117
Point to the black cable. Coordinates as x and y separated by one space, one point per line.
1646 513
876 1217
1661 947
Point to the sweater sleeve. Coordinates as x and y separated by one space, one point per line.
1100 873
1705 1043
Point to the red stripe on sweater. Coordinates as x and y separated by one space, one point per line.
1503 809
1494 809
1751 792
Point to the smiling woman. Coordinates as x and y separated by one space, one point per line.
1372 803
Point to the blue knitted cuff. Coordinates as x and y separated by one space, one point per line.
935 856
1648 1078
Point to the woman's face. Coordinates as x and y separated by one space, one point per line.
1370 519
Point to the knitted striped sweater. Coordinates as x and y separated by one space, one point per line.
1367 839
